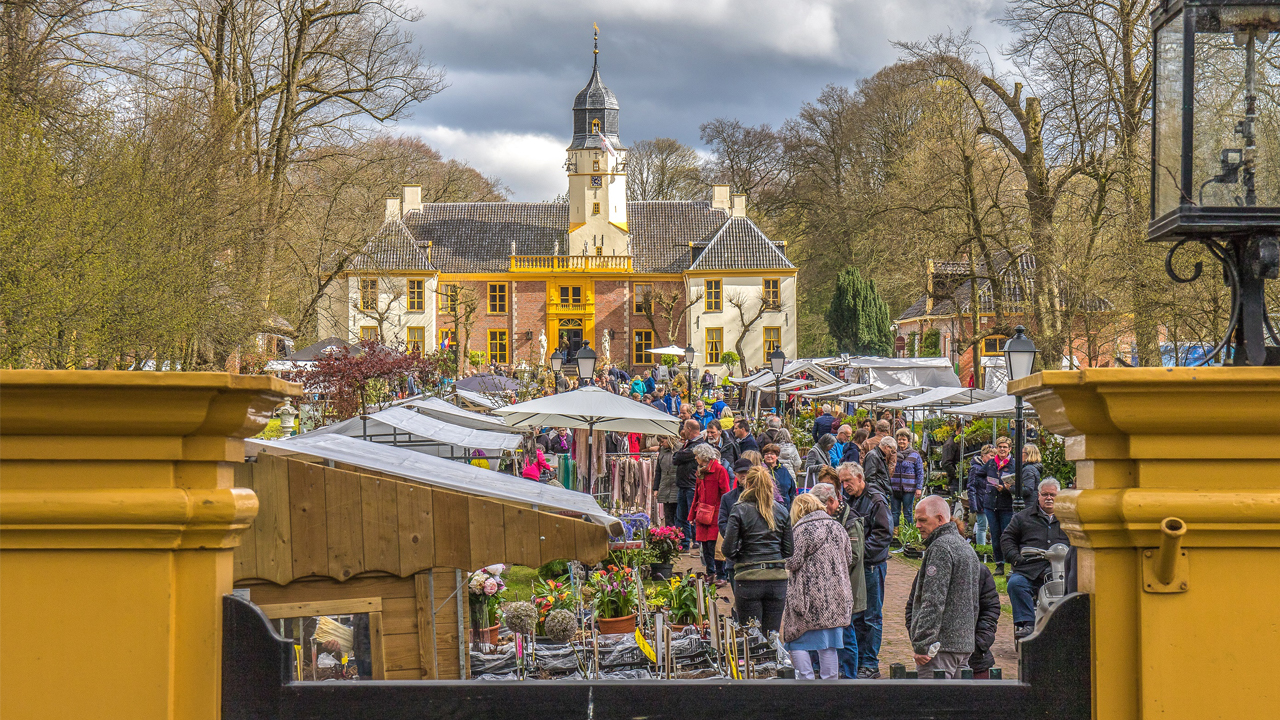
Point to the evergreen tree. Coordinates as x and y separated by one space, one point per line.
858 319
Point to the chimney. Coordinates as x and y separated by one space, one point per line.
393 209
720 197
412 198
739 206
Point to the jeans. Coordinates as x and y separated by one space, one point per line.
980 528
869 623
997 521
762 600
905 502
669 513
684 501
1022 595
715 568
849 653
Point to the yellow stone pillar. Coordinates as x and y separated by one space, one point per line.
1198 636
118 517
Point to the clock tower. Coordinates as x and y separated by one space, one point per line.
597 172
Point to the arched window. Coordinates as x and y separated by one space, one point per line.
595 126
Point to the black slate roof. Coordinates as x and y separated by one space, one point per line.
392 247
740 244
481 237
595 96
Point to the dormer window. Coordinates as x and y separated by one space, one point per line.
595 126
595 165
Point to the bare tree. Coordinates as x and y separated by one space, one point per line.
663 169
460 303
670 307
751 307
749 159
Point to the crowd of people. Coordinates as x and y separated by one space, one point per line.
812 565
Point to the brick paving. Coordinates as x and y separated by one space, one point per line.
895 647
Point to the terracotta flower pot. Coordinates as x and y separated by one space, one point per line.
617 626
489 634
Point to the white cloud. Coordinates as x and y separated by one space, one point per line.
531 164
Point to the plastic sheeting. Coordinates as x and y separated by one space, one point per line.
919 376
402 421
439 472
940 397
446 411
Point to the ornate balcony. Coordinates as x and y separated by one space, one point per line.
571 263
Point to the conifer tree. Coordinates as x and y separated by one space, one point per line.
858 319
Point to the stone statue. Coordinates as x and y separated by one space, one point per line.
604 344
542 339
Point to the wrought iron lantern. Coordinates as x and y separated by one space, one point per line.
1019 357
778 363
1216 152
586 358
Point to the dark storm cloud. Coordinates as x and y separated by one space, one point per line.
514 66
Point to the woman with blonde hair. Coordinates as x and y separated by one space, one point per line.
757 539
726 420
1032 471
819 595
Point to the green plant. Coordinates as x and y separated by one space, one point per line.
669 360
664 544
909 536
476 357
1053 455
680 598
729 357
931 343
978 432
858 319
554 569
550 595
613 592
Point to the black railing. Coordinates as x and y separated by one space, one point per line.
1054 683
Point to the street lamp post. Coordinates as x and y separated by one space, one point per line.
557 360
586 360
778 363
1019 356
1211 181
689 352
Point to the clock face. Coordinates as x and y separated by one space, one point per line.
595 181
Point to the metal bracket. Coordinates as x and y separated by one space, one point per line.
1181 573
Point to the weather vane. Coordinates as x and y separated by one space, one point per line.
596 39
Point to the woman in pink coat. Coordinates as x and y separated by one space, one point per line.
533 468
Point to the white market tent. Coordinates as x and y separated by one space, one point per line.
939 398
750 378
402 427
885 372
438 472
1000 407
450 413
893 392
592 408
478 399
832 389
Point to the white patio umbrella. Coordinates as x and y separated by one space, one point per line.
669 350
592 408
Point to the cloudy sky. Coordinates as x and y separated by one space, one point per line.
514 66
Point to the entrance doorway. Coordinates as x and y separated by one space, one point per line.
570 339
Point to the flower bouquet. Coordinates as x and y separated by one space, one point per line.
614 598
663 548
549 595
485 595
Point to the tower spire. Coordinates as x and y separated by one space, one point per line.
595 53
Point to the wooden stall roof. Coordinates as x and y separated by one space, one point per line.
317 521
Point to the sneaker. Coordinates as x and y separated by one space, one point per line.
1023 629
868 674
999 569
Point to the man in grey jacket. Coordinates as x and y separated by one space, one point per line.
944 606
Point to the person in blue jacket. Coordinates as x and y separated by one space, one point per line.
782 480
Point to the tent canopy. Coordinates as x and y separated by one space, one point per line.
398 420
750 378
669 350
1000 407
893 392
591 407
437 472
479 399
940 397
450 413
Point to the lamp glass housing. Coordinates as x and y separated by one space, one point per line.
777 361
557 359
689 354
1216 118
1019 354
586 361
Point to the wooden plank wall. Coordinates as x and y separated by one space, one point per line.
400 634
315 521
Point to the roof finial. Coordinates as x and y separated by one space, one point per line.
596 39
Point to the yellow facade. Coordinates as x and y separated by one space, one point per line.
1202 446
118 515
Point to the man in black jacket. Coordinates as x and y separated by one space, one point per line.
877 464
822 424
1035 527
952 451
740 469
984 633
728 448
866 502
743 436
686 477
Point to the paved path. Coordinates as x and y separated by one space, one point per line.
894 645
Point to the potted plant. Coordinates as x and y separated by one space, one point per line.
613 598
485 595
551 595
664 547
680 598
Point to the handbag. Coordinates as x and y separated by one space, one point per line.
705 514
